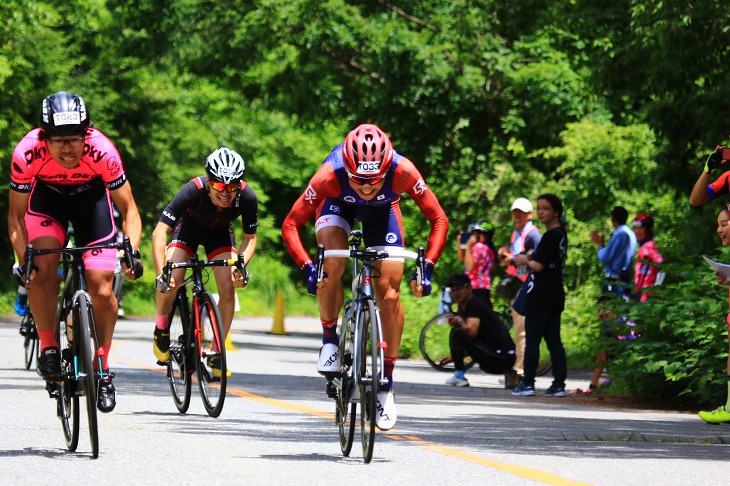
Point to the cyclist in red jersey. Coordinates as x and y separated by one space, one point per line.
65 172
704 190
202 213
362 179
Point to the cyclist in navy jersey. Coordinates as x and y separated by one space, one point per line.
202 213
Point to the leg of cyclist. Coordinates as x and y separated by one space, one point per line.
163 304
333 235
226 301
40 291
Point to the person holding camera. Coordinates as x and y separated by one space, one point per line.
478 254
525 237
478 332
704 190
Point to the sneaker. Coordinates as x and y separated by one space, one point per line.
511 378
386 413
329 359
21 304
523 390
214 364
555 391
161 346
717 416
106 398
49 364
456 381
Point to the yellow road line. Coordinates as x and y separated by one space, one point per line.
393 434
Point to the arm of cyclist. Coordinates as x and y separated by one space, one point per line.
18 204
409 180
247 248
322 185
704 190
131 225
159 242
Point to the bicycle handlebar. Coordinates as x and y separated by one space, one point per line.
30 253
239 263
370 255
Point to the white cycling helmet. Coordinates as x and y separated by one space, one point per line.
225 165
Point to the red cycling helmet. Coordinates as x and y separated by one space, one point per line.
368 154
643 220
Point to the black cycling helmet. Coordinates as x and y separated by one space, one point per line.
64 114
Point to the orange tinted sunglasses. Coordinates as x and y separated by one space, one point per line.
222 186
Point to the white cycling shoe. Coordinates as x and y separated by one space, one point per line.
329 359
385 411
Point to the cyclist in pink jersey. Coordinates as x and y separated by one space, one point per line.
362 179
65 172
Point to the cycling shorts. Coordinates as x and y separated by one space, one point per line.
381 225
188 236
88 209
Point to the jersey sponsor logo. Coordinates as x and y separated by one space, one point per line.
310 195
334 208
114 166
391 238
96 252
19 187
349 199
46 222
93 153
117 183
34 153
420 187
321 221
66 118
80 189
380 197
169 215
17 169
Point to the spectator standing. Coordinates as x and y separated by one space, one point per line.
478 332
617 256
545 299
646 274
479 257
721 414
525 237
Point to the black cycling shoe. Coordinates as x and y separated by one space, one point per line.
49 364
106 398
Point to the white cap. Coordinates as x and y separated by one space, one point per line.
523 204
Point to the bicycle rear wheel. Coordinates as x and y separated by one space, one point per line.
211 356
179 371
346 411
83 320
30 341
434 343
67 401
368 376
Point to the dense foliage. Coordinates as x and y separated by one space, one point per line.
603 105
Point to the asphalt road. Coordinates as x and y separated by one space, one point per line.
277 427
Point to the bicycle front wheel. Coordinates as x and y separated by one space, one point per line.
67 401
346 411
368 376
211 355
434 343
83 319
178 366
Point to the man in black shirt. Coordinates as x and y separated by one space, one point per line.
479 332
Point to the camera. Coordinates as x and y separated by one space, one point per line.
463 239
725 153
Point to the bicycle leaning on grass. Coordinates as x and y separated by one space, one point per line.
75 330
197 338
362 351
435 335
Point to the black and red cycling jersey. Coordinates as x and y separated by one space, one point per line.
192 204
331 180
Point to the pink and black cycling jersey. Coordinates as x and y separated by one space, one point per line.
32 162
330 181
645 274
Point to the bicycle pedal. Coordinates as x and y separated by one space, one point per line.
331 390
53 389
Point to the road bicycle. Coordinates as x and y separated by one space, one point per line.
197 338
434 340
75 330
31 344
362 351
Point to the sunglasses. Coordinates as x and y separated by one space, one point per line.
222 186
72 141
361 181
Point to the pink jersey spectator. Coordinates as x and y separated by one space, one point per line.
32 161
481 273
645 274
